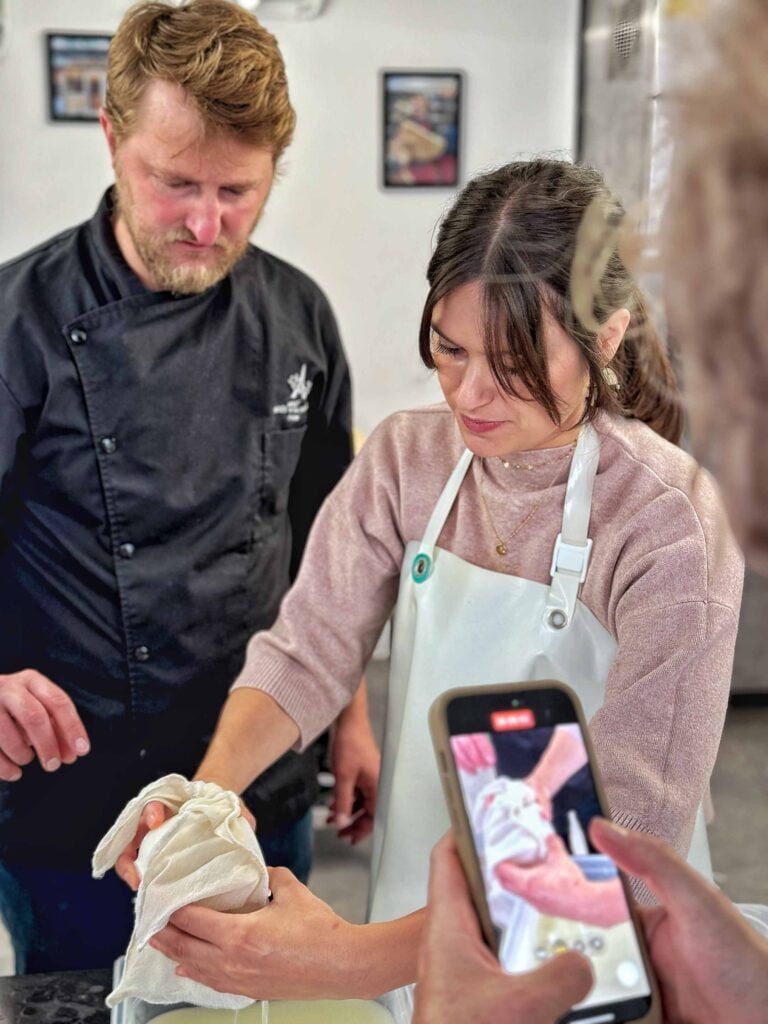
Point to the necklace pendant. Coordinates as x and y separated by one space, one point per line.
501 548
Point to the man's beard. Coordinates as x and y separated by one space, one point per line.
167 273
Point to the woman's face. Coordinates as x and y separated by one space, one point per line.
492 422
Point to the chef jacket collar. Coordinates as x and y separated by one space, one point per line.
115 276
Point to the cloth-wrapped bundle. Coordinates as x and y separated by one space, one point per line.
507 817
206 853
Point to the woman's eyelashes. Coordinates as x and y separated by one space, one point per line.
447 350
441 346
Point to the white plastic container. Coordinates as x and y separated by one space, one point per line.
137 1011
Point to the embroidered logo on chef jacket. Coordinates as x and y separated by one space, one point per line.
297 404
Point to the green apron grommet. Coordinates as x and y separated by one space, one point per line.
421 568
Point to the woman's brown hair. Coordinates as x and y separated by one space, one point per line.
517 230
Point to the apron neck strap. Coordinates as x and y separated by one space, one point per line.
573 547
445 504
421 567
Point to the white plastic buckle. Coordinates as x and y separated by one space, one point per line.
571 558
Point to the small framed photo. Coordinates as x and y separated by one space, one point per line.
77 75
421 130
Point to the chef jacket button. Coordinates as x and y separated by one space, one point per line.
108 445
142 753
126 550
141 653
77 336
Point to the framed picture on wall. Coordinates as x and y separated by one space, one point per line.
77 75
421 137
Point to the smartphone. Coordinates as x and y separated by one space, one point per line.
522 785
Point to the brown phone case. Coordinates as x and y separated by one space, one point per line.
438 727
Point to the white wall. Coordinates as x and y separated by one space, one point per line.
368 248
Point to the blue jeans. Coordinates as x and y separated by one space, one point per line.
68 921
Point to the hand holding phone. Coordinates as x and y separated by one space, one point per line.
521 814
459 978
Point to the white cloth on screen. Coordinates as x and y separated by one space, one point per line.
507 817
509 825
206 854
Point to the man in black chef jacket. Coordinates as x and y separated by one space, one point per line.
174 407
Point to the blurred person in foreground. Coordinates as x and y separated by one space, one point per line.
711 965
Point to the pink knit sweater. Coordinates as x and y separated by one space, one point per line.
664 579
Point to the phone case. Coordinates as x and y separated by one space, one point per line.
438 727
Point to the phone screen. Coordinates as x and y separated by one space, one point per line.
529 795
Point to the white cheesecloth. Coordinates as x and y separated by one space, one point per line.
205 854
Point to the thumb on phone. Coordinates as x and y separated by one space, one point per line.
551 990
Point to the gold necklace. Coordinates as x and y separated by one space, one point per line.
502 547
530 465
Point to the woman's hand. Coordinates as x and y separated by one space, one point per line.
543 794
564 755
473 752
294 948
557 886
37 718
152 817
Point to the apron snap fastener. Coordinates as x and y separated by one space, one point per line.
557 619
421 566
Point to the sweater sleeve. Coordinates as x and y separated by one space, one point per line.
677 592
311 660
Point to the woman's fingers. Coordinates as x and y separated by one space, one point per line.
153 815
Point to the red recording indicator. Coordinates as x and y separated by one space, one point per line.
506 721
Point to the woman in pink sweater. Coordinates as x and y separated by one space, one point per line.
541 522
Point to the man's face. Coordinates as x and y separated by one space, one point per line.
187 202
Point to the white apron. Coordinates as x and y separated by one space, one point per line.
457 624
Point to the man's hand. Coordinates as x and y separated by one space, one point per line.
356 763
460 979
711 965
37 718
294 948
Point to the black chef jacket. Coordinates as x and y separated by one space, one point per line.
161 460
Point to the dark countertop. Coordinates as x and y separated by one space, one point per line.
71 997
